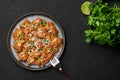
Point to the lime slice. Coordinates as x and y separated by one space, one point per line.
85 8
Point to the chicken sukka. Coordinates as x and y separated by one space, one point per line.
36 42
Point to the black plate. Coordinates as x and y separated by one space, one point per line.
31 16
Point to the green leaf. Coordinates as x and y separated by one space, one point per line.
52 49
88 40
32 43
18 51
39 58
36 28
43 23
113 31
44 40
24 25
54 34
31 36
32 24
20 36
27 50
41 49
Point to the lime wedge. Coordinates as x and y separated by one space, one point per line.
85 7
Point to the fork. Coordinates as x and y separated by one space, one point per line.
56 64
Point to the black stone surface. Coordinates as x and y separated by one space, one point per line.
81 61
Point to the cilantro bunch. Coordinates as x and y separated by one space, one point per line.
105 24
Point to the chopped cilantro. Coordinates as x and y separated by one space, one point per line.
32 43
52 49
41 49
36 28
39 58
43 23
20 36
54 34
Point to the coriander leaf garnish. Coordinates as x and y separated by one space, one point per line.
20 36
44 40
39 58
27 50
18 51
43 23
36 28
24 24
32 24
54 34
52 49
41 49
31 36
32 43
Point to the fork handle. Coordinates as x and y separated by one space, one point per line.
60 69
64 74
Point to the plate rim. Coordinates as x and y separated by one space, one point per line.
13 26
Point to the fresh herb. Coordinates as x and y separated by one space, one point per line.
43 23
36 28
44 40
25 40
32 43
54 34
18 51
52 49
24 24
105 24
20 36
39 58
32 24
27 50
31 35
41 49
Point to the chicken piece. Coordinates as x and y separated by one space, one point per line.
50 55
52 28
25 24
35 34
37 22
30 60
40 45
37 62
26 31
56 50
18 44
18 34
59 40
37 54
26 45
42 34
44 54
47 26
44 61
48 50
31 54
48 37
56 42
23 56
26 37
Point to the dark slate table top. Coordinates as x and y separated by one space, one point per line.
81 61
